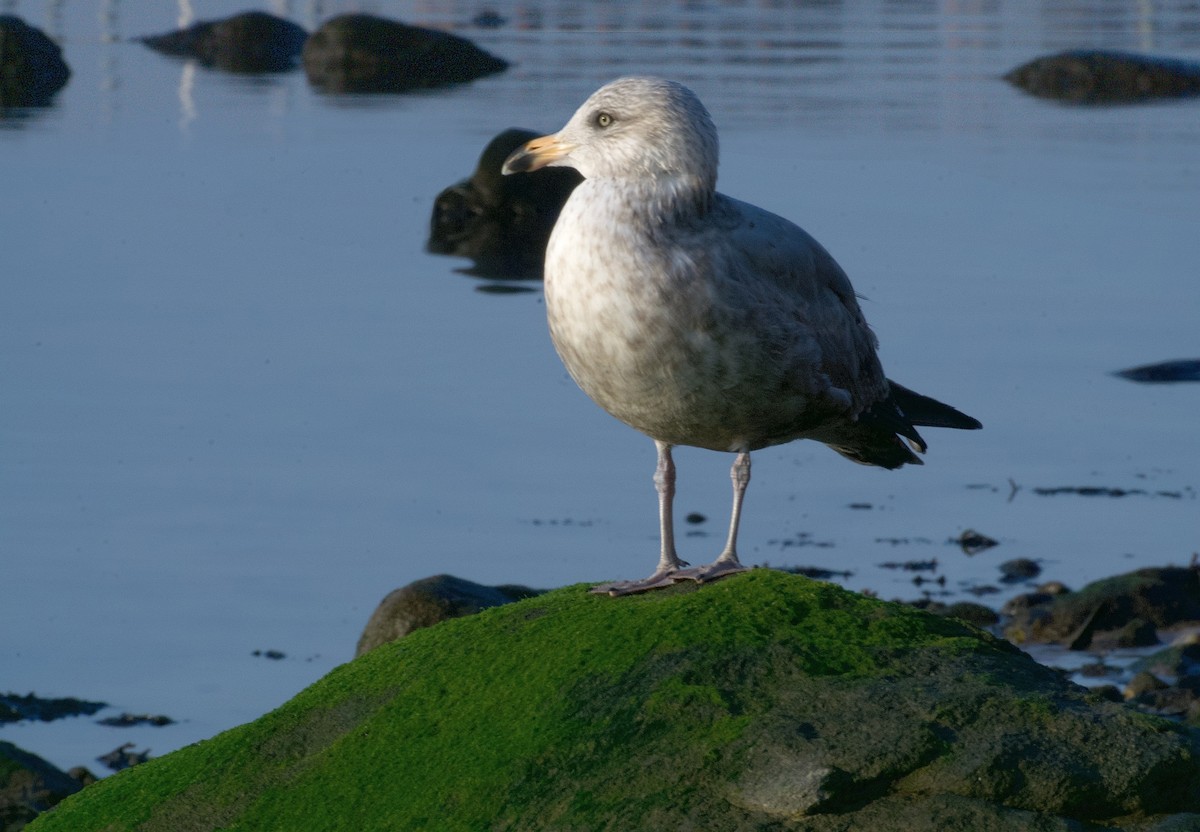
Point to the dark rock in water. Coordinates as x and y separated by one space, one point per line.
250 42
500 222
973 542
762 702
16 708
82 775
29 786
32 69
489 19
1121 610
1103 491
365 53
1177 660
128 720
1020 605
273 655
1187 369
123 757
1019 569
1096 76
1175 700
430 601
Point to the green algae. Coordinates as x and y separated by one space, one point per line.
574 711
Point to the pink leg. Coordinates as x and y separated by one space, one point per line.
669 563
727 562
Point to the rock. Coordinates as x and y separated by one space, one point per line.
973 542
501 222
430 601
17 708
28 786
1053 588
1097 76
128 720
82 775
250 42
763 701
1135 633
1108 693
975 614
1165 371
1097 669
1176 660
32 69
1019 569
1141 683
1026 604
124 756
364 53
1119 609
273 655
1176 700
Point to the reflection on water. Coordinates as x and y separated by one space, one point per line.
824 63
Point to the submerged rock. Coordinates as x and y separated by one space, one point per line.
128 720
1019 569
250 42
973 542
365 53
1122 611
764 701
32 69
1187 369
502 223
430 601
17 707
124 756
1098 76
29 786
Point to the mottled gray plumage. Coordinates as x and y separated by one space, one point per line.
702 320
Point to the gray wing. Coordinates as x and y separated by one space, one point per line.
809 291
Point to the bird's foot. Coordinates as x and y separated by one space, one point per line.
659 580
720 568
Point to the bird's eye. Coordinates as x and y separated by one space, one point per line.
603 119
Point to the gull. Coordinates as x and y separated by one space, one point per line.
701 320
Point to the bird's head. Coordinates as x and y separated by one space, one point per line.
632 129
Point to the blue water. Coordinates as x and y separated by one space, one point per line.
239 403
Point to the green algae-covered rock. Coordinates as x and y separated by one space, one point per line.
765 701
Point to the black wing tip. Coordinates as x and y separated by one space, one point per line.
928 412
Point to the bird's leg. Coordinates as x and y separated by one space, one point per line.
727 562
669 563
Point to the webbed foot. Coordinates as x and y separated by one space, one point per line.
716 570
659 580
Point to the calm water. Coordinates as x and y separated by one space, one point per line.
239 404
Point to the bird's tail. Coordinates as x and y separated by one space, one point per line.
886 433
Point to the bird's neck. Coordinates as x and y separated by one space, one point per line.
674 197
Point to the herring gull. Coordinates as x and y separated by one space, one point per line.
702 320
